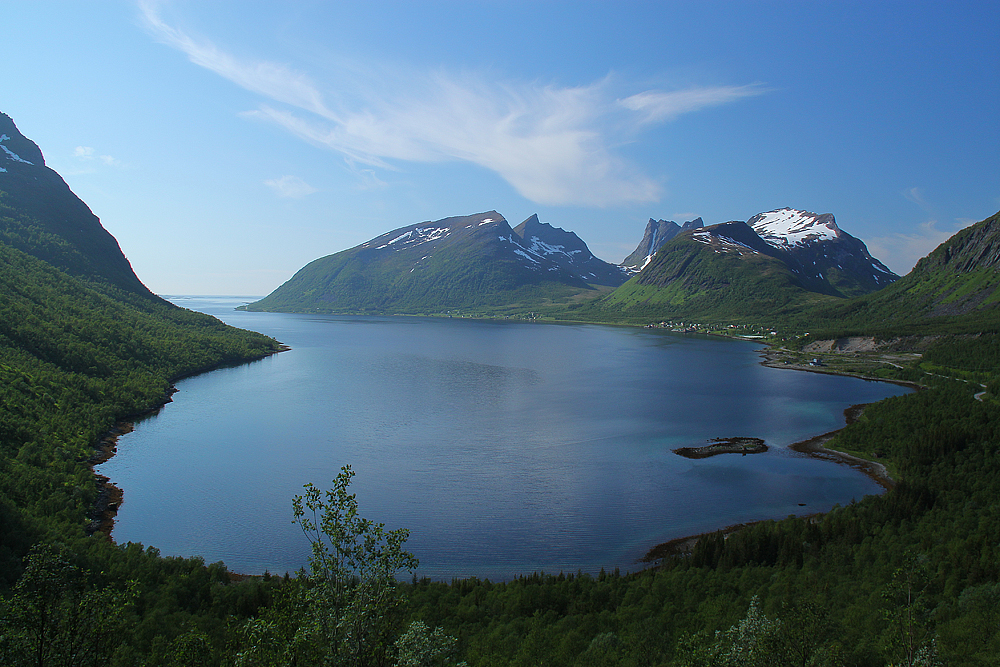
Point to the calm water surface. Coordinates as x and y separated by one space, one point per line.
505 448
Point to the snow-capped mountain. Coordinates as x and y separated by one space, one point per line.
786 227
823 257
823 250
460 262
776 260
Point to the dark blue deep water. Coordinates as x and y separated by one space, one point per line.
505 448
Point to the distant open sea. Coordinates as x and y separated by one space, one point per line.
505 447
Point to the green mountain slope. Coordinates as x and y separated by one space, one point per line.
472 262
722 272
954 289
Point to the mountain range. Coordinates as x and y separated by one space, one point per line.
775 260
771 265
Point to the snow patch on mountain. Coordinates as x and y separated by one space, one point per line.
727 244
518 251
416 237
540 247
11 155
788 227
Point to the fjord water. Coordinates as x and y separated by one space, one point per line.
505 447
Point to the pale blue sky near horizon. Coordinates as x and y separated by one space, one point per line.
227 144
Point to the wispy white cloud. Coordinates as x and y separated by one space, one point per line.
290 186
553 144
369 180
902 250
916 196
657 106
275 81
88 154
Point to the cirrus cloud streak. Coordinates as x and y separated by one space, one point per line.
553 144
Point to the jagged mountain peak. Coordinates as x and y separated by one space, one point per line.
549 238
657 233
566 250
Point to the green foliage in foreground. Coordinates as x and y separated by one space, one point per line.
348 609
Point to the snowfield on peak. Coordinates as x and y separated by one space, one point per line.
788 227
540 247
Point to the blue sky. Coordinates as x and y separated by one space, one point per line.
227 144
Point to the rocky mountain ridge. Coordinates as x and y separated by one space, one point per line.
480 261
824 258
656 234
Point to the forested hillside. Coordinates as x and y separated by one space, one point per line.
83 344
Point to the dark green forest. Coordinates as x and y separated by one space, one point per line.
909 577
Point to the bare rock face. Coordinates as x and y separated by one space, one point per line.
657 233
973 248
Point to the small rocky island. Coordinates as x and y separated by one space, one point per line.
738 445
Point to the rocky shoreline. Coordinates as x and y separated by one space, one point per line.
109 496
